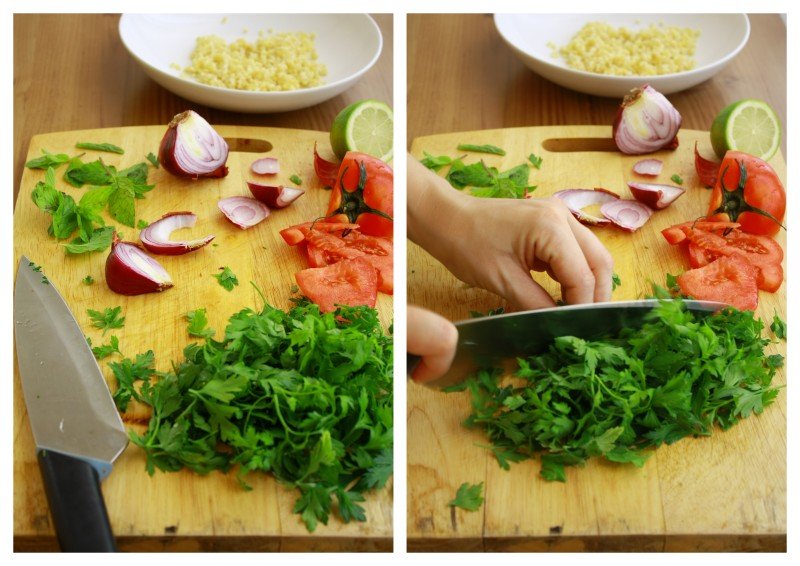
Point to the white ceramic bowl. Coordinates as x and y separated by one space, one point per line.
348 45
722 36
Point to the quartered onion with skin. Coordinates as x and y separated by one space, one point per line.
655 195
275 196
243 211
192 148
646 122
156 236
578 199
648 167
265 166
326 171
627 214
130 271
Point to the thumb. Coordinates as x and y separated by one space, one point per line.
433 338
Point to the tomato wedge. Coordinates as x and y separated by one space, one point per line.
293 235
364 194
326 249
729 279
677 233
350 282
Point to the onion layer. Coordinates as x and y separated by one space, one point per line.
156 236
646 122
275 196
192 148
627 214
577 199
655 195
327 171
130 271
707 170
243 211
648 167
265 166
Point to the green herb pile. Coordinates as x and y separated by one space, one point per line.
483 181
677 376
302 395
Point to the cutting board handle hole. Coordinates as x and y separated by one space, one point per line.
568 145
248 145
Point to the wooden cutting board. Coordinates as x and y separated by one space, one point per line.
184 511
723 492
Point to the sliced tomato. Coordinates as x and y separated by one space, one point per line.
729 279
379 252
350 282
678 233
385 266
293 235
364 194
327 249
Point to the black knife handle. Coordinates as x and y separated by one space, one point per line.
412 361
76 503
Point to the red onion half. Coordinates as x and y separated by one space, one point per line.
275 196
130 271
646 122
192 148
578 199
648 167
156 236
243 211
655 195
627 214
265 166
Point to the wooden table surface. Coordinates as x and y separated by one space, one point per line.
72 72
463 77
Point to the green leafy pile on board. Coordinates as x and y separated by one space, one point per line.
302 395
678 375
483 181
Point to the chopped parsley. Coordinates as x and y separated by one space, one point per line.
468 497
677 179
296 180
227 279
108 319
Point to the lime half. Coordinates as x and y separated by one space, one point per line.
748 125
366 126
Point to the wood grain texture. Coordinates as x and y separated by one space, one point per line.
71 72
462 76
723 492
183 511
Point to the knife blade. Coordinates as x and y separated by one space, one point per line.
488 341
76 427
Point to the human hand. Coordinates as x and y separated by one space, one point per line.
495 243
433 338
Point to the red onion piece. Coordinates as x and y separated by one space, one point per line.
646 122
130 271
707 170
655 195
327 171
192 148
156 236
265 166
243 211
577 199
275 196
649 167
627 214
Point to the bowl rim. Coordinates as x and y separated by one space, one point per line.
241 93
645 78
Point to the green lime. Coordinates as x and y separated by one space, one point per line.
366 126
748 125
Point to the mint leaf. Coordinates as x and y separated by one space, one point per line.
47 160
100 147
153 160
493 149
434 163
99 240
535 160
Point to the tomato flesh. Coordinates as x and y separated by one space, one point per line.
728 279
350 282
364 194
296 234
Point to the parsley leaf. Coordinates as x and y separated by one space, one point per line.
296 180
127 373
227 279
493 149
468 497
100 147
676 179
198 323
535 160
105 350
108 319
615 281
88 280
778 327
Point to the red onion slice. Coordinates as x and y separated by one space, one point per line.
648 167
707 170
192 148
130 271
577 199
327 171
275 196
156 236
243 211
265 166
627 214
655 195
646 122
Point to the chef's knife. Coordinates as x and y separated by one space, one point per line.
487 341
76 427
